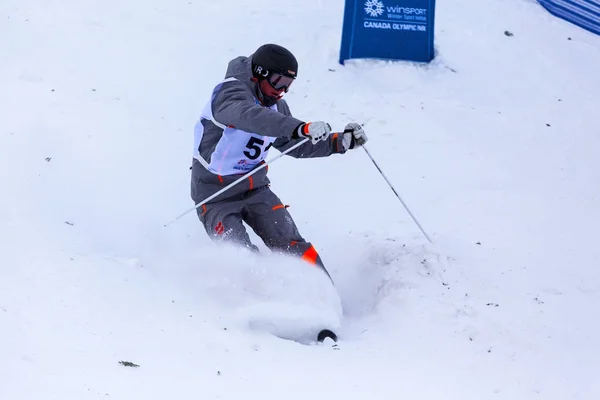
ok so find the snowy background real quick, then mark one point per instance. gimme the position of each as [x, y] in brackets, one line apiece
[495, 147]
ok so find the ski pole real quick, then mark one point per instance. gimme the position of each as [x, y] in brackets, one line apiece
[396, 193]
[238, 181]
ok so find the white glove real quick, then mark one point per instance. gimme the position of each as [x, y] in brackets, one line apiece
[354, 136]
[316, 131]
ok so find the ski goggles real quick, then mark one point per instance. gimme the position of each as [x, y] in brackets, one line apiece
[279, 81]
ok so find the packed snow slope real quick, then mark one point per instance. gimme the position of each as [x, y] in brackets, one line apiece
[494, 146]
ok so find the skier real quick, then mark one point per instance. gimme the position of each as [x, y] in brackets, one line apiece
[244, 117]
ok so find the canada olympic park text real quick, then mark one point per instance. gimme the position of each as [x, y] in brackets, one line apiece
[394, 26]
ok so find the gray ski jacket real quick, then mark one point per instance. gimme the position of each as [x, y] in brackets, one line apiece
[234, 104]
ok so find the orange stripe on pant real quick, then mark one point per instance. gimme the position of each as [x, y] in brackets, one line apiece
[310, 255]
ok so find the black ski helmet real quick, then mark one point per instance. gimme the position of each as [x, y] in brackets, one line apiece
[273, 58]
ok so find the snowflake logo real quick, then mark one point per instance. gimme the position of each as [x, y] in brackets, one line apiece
[374, 8]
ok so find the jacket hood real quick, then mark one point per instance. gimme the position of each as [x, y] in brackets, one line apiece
[240, 68]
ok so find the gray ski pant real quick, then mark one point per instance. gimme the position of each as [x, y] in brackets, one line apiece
[263, 211]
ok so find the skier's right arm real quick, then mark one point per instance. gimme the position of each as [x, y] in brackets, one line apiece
[234, 106]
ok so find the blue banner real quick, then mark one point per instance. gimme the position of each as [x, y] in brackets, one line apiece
[583, 13]
[388, 29]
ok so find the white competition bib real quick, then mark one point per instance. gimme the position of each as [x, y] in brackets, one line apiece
[238, 151]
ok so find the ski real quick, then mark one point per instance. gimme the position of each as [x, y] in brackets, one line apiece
[326, 333]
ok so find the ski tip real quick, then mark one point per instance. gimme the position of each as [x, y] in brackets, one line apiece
[326, 333]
